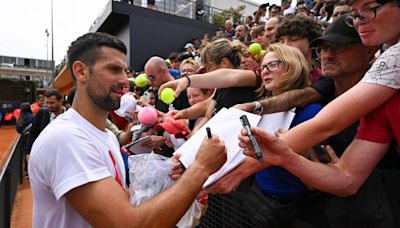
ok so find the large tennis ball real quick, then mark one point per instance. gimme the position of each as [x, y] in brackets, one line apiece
[141, 80]
[254, 48]
[167, 95]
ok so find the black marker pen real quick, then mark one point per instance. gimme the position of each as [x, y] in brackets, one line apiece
[208, 132]
[253, 141]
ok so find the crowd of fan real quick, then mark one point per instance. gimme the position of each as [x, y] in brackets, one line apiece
[302, 57]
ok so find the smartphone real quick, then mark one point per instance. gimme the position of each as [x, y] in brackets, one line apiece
[321, 153]
[136, 148]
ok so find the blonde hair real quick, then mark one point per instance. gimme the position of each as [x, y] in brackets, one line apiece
[194, 63]
[214, 52]
[296, 71]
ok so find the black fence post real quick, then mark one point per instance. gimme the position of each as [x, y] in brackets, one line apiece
[7, 199]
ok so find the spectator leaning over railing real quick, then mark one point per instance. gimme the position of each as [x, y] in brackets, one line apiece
[375, 25]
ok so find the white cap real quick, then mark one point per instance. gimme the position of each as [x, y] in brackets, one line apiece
[188, 45]
[128, 104]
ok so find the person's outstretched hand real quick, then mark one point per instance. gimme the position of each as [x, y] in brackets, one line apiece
[177, 85]
[176, 114]
[274, 150]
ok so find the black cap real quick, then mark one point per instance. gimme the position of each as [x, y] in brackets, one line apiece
[339, 32]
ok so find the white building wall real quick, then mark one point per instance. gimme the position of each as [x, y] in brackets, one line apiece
[249, 10]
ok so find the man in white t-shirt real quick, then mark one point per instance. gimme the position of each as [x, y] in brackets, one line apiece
[76, 169]
[288, 9]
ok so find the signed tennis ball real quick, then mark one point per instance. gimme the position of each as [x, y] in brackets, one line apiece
[141, 80]
[254, 48]
[167, 95]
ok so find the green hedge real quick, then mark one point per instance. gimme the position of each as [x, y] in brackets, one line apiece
[17, 90]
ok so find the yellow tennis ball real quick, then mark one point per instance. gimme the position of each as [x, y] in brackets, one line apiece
[262, 53]
[254, 48]
[141, 80]
[167, 95]
[131, 80]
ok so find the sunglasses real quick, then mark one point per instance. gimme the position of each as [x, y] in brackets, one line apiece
[152, 77]
[336, 48]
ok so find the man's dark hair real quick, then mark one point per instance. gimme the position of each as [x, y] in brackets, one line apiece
[40, 97]
[298, 26]
[86, 48]
[279, 8]
[184, 55]
[53, 92]
[173, 56]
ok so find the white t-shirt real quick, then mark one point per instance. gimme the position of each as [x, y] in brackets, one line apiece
[386, 69]
[289, 11]
[69, 152]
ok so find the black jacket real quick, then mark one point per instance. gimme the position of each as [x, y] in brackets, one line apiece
[40, 121]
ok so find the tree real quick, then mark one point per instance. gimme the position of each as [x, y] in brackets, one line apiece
[232, 13]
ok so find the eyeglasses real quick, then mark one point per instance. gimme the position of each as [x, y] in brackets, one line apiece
[365, 15]
[271, 66]
[187, 70]
[339, 13]
[336, 48]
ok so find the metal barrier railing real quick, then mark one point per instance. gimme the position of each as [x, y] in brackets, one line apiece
[226, 211]
[10, 178]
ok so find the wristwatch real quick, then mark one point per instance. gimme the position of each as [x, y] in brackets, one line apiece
[258, 108]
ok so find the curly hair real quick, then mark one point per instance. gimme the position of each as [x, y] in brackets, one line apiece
[300, 26]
